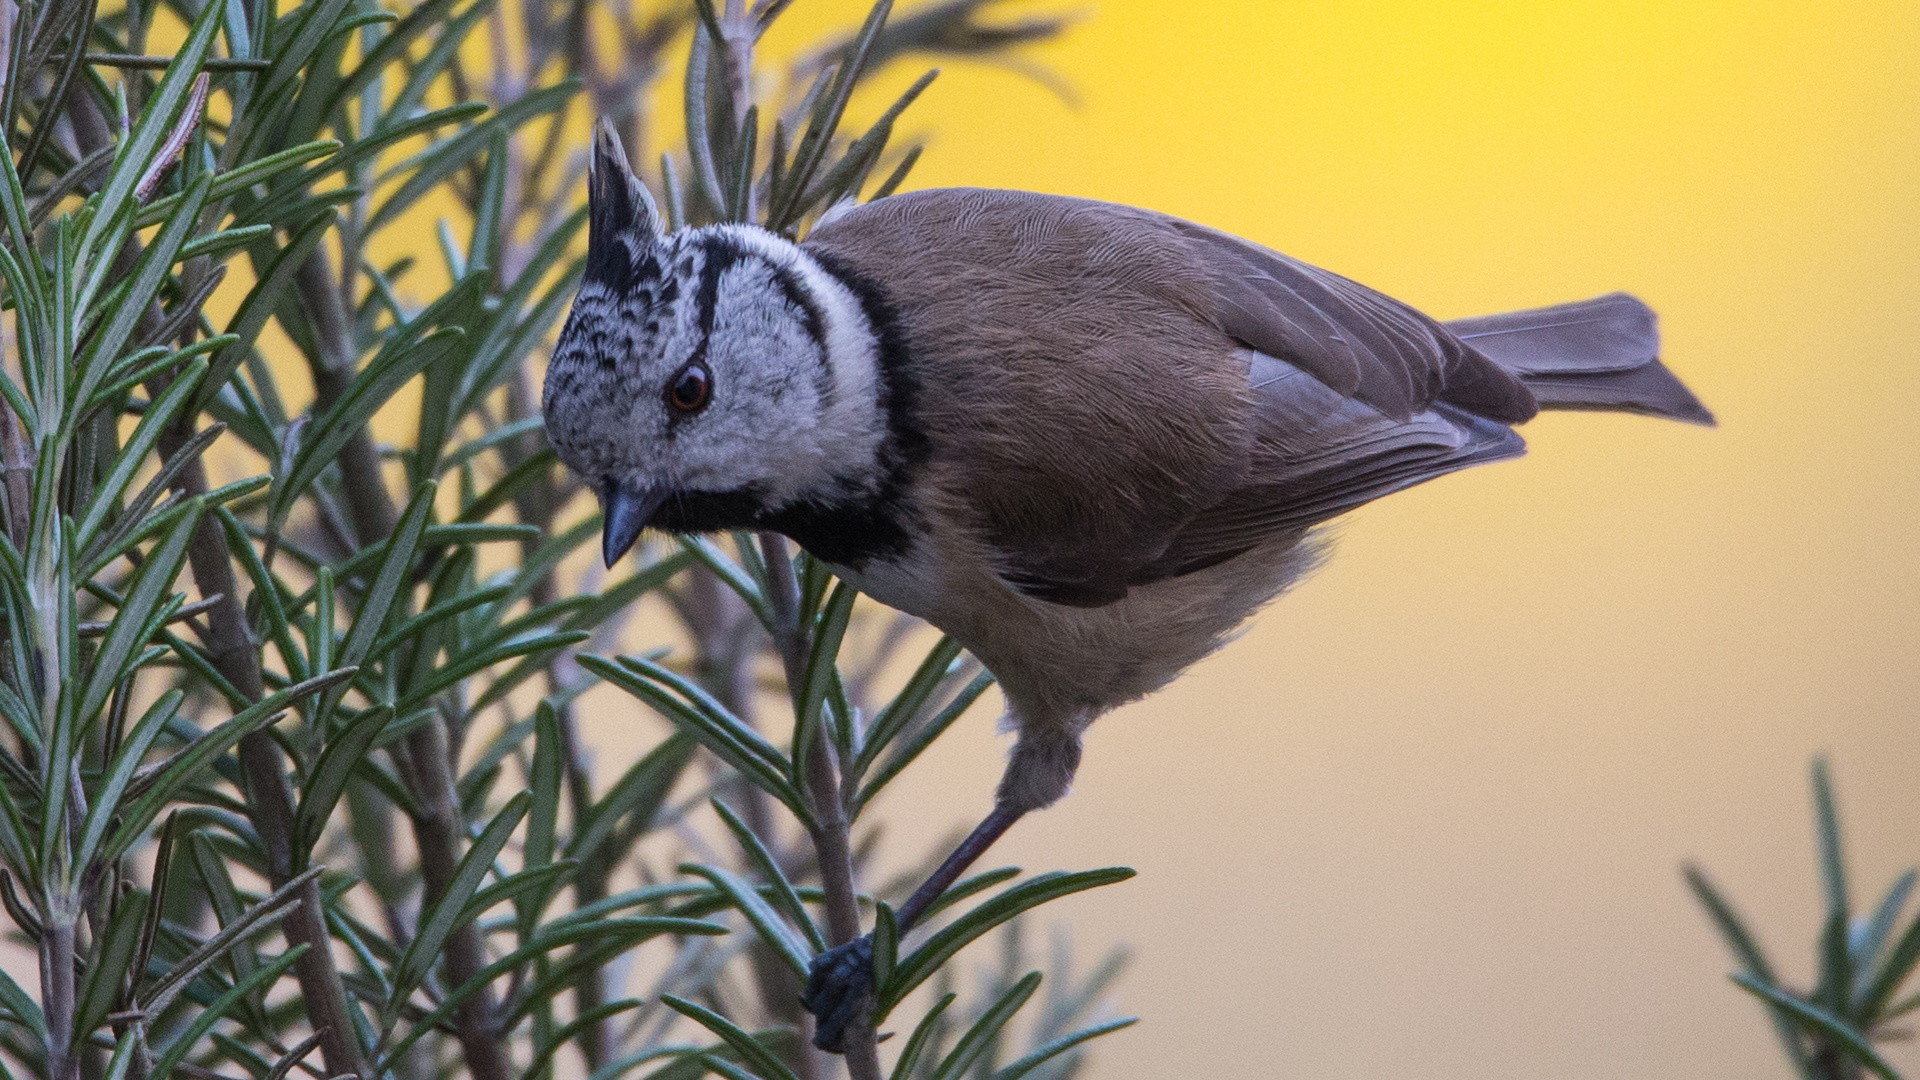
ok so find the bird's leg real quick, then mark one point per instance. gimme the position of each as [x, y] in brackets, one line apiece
[990, 829]
[840, 980]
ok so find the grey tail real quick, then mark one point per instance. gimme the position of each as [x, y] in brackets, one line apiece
[1599, 354]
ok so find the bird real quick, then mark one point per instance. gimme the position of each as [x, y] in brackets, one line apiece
[1088, 441]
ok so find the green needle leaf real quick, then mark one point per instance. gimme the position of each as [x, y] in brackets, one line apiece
[1048, 1051]
[987, 1029]
[921, 1041]
[940, 947]
[785, 898]
[1822, 1023]
[439, 922]
[766, 921]
[750, 1049]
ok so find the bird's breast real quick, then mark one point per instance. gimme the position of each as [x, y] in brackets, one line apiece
[908, 580]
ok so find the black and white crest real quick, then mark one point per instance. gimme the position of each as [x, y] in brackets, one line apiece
[623, 224]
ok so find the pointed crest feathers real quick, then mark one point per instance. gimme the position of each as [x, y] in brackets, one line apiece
[622, 218]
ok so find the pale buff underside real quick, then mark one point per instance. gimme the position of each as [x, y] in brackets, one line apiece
[1061, 667]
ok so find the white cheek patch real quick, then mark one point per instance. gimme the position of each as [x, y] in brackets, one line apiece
[848, 429]
[761, 429]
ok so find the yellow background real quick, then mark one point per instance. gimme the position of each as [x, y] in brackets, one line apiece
[1425, 819]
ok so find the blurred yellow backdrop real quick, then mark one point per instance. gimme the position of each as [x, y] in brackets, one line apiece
[1425, 818]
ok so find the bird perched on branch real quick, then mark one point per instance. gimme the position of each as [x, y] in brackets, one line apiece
[1086, 440]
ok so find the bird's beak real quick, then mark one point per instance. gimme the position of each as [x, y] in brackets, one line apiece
[626, 513]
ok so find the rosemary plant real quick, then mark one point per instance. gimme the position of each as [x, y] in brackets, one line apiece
[1829, 1032]
[291, 778]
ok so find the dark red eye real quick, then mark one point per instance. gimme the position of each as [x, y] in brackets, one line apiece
[690, 389]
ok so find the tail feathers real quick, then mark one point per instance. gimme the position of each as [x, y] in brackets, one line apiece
[1650, 389]
[1601, 354]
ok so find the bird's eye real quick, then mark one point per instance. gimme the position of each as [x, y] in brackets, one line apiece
[690, 388]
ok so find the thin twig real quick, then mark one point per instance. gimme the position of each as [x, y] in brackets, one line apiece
[269, 802]
[831, 839]
[232, 652]
[368, 503]
[57, 997]
[439, 832]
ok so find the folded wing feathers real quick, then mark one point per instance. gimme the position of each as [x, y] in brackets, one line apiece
[1318, 454]
[1359, 342]
[1358, 395]
[1324, 447]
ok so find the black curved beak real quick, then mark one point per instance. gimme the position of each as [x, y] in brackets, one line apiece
[626, 513]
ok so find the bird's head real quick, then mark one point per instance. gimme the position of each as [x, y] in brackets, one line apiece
[707, 379]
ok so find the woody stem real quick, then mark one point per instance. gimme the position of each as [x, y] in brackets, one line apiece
[832, 829]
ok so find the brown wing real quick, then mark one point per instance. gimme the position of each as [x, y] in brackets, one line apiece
[1356, 395]
[1094, 412]
[1318, 454]
[1361, 343]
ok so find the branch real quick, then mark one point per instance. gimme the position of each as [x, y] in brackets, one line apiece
[16, 472]
[831, 836]
[269, 801]
[440, 829]
[438, 832]
[235, 655]
[371, 508]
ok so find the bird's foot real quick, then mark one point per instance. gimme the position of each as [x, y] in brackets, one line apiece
[839, 991]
